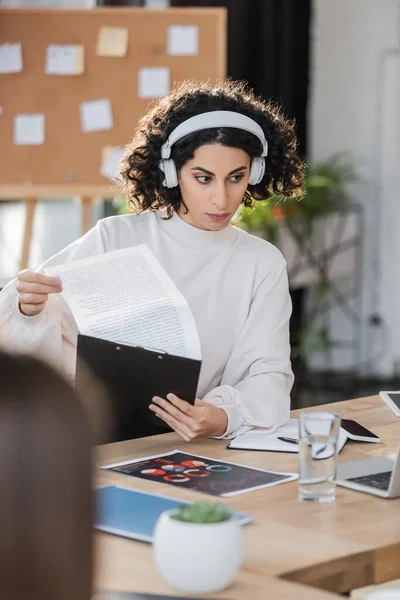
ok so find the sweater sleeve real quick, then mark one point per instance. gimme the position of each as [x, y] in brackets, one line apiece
[52, 334]
[257, 379]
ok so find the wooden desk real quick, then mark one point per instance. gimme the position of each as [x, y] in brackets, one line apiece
[125, 565]
[340, 546]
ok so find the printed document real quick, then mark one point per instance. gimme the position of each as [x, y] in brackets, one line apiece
[126, 296]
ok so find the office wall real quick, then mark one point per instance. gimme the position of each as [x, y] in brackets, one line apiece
[57, 224]
[355, 107]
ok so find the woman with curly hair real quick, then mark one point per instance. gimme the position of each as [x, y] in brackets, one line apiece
[196, 155]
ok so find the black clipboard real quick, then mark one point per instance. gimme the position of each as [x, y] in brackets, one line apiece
[132, 375]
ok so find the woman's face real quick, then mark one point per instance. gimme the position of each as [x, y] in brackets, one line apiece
[212, 185]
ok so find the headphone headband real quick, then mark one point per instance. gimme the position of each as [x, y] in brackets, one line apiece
[212, 120]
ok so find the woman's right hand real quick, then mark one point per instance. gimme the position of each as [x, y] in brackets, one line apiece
[33, 291]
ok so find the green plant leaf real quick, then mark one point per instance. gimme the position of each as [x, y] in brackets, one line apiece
[203, 512]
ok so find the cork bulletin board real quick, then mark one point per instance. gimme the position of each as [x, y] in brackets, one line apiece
[67, 160]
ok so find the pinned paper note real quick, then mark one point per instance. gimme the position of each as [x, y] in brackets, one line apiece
[110, 159]
[183, 40]
[153, 82]
[64, 60]
[29, 130]
[112, 41]
[96, 115]
[10, 58]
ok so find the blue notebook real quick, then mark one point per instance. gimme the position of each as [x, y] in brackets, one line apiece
[134, 514]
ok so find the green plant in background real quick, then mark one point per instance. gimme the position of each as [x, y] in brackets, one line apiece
[259, 219]
[325, 191]
[203, 512]
[312, 338]
[117, 206]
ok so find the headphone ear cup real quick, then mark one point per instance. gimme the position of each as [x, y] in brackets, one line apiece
[257, 170]
[167, 166]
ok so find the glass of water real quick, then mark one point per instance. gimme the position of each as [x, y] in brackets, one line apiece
[318, 440]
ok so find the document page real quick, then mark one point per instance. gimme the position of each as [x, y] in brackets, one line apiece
[126, 296]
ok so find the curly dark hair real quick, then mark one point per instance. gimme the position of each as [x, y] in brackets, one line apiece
[142, 178]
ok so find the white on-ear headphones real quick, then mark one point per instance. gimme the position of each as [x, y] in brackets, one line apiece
[212, 120]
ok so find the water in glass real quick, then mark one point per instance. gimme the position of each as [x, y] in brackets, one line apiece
[318, 456]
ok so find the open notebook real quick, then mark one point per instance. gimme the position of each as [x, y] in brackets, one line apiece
[262, 439]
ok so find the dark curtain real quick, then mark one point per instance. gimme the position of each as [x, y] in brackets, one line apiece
[268, 46]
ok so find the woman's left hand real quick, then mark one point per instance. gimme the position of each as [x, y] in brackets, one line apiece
[191, 422]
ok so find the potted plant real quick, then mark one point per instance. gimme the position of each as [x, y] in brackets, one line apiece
[324, 192]
[198, 548]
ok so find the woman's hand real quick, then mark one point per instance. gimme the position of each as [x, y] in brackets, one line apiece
[191, 422]
[33, 291]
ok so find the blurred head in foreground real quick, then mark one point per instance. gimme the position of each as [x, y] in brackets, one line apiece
[46, 485]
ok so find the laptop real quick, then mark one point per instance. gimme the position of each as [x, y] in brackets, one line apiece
[379, 476]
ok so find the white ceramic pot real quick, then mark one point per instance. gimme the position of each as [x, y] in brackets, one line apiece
[197, 557]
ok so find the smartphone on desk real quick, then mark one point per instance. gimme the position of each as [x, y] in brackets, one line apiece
[392, 399]
[358, 432]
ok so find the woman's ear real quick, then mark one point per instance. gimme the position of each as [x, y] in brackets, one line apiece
[185, 207]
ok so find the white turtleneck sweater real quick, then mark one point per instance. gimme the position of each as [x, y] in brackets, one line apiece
[236, 286]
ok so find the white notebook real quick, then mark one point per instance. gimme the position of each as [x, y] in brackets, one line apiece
[262, 439]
